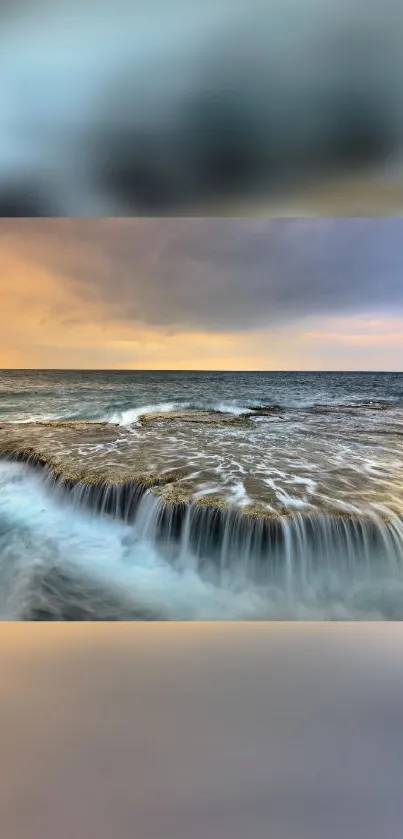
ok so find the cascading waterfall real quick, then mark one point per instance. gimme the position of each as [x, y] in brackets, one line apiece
[295, 553]
[290, 551]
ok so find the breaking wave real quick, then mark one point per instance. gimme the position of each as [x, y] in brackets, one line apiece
[131, 416]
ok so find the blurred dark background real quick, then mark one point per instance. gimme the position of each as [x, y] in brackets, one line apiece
[189, 107]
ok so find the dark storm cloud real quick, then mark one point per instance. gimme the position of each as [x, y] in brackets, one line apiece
[220, 273]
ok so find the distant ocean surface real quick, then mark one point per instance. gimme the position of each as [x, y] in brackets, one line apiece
[119, 396]
[302, 474]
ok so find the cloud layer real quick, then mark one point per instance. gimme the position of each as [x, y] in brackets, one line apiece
[193, 289]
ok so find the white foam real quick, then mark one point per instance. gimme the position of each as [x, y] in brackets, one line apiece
[132, 415]
[230, 408]
[43, 530]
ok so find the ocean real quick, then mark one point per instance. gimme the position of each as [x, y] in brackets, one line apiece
[201, 495]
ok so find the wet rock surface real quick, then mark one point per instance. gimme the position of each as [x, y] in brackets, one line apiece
[193, 417]
[265, 462]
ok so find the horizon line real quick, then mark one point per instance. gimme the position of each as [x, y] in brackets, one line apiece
[179, 370]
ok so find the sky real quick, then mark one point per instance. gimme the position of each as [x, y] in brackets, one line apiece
[225, 294]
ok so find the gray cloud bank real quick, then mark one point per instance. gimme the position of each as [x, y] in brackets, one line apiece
[220, 274]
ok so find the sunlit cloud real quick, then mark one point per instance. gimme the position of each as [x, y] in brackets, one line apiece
[202, 293]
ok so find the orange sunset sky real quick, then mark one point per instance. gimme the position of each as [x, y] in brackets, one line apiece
[202, 294]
